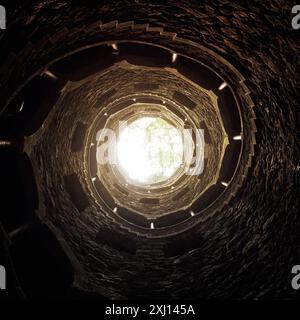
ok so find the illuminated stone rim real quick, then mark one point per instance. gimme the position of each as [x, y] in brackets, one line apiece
[144, 110]
[147, 111]
[109, 174]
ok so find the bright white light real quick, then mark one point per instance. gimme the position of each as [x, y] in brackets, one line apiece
[174, 57]
[149, 150]
[237, 138]
[22, 106]
[225, 184]
[50, 75]
[5, 143]
[222, 86]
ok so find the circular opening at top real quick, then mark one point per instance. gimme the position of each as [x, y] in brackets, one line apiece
[149, 150]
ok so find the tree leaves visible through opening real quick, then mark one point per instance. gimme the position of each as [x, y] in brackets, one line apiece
[150, 150]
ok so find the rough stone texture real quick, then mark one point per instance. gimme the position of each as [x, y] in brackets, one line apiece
[248, 250]
[79, 103]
